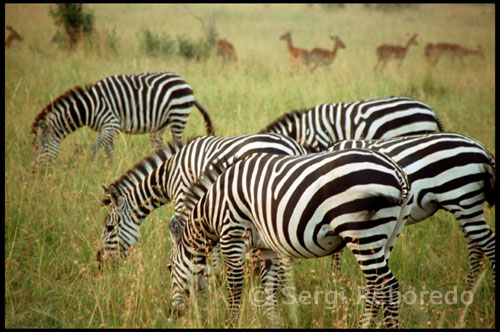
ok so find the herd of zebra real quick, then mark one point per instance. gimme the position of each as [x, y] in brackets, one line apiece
[311, 183]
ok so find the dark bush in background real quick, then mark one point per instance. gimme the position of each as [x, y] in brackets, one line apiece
[74, 20]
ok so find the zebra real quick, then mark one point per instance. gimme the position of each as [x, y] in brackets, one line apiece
[319, 127]
[447, 171]
[133, 104]
[296, 206]
[166, 175]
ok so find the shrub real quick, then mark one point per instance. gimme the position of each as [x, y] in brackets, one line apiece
[75, 21]
[193, 49]
[154, 45]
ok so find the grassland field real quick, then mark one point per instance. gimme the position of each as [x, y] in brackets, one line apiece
[53, 221]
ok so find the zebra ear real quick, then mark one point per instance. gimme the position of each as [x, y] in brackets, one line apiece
[176, 230]
[42, 124]
[112, 195]
[105, 200]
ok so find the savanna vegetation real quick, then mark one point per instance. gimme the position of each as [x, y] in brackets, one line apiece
[53, 221]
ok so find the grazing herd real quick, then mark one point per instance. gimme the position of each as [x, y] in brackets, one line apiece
[385, 53]
[311, 183]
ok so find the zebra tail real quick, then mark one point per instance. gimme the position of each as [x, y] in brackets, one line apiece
[489, 186]
[206, 118]
[439, 123]
[404, 183]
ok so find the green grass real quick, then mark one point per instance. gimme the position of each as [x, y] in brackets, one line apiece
[53, 222]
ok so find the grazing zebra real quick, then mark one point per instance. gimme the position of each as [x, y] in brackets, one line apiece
[166, 175]
[318, 128]
[295, 206]
[133, 104]
[447, 171]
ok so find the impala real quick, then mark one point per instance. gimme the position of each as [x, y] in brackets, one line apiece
[434, 52]
[225, 50]
[298, 56]
[322, 57]
[394, 52]
[13, 35]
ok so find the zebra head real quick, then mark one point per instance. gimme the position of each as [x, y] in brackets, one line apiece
[45, 146]
[120, 232]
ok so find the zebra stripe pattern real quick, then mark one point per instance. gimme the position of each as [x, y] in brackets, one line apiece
[294, 206]
[447, 171]
[166, 175]
[318, 128]
[133, 104]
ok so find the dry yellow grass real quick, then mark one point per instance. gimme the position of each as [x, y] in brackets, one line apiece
[53, 222]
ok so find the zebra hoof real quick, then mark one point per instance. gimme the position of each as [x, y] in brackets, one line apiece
[176, 311]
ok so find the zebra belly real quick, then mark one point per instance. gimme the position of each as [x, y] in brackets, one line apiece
[324, 243]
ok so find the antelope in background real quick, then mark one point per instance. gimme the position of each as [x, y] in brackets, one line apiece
[298, 56]
[394, 52]
[13, 35]
[225, 50]
[322, 57]
[433, 52]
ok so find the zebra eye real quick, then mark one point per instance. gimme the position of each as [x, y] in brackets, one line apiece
[110, 228]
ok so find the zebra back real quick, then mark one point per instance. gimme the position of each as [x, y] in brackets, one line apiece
[394, 146]
[219, 166]
[319, 127]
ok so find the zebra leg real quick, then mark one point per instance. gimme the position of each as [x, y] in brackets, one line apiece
[177, 125]
[336, 262]
[233, 247]
[254, 262]
[110, 151]
[284, 272]
[475, 262]
[269, 269]
[216, 259]
[155, 139]
[478, 247]
[480, 239]
[372, 306]
[383, 290]
[105, 139]
[382, 287]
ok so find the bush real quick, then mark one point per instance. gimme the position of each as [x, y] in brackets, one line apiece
[193, 49]
[75, 21]
[153, 44]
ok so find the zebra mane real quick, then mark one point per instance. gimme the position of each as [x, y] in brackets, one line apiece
[283, 119]
[75, 91]
[201, 186]
[154, 161]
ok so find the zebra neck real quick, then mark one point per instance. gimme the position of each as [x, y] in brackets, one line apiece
[196, 238]
[141, 204]
[72, 111]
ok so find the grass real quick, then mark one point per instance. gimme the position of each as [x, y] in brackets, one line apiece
[53, 222]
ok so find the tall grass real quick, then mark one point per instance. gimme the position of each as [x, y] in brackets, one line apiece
[53, 221]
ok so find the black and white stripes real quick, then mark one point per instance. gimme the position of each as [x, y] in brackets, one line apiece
[447, 171]
[167, 174]
[305, 207]
[321, 126]
[133, 104]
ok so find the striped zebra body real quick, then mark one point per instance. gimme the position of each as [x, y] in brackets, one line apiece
[447, 171]
[318, 128]
[303, 207]
[133, 104]
[167, 175]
